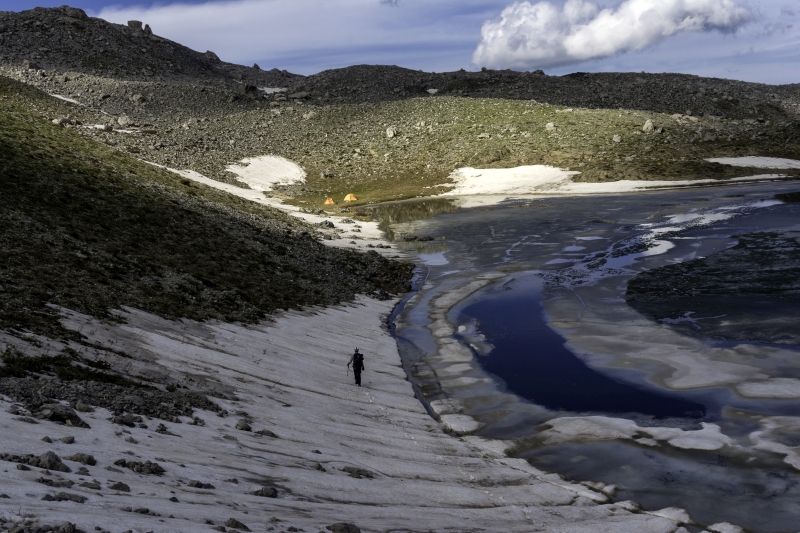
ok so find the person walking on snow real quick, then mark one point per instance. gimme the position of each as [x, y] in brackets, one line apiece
[357, 360]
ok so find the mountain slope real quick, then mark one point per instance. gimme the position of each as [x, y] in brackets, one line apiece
[90, 228]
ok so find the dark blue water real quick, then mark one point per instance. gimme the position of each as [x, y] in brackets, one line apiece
[532, 361]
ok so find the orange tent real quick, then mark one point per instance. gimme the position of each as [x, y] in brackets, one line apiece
[350, 198]
[329, 201]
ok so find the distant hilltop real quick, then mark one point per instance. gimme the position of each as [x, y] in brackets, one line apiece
[65, 39]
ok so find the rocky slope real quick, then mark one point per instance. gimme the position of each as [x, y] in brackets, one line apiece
[386, 132]
[89, 228]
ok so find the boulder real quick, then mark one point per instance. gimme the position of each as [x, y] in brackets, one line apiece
[648, 126]
[55, 412]
[135, 25]
[147, 29]
[124, 122]
[30, 65]
[550, 126]
[616, 139]
[75, 13]
[242, 425]
[358, 473]
[391, 131]
[299, 96]
[267, 492]
[51, 461]
[232, 522]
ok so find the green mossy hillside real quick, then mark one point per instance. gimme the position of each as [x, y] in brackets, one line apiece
[89, 228]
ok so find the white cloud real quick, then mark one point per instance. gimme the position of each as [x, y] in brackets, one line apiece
[306, 36]
[543, 35]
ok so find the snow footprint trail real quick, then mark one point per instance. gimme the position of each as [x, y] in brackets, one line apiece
[289, 377]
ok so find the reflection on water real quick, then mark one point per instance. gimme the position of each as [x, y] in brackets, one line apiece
[532, 361]
[390, 214]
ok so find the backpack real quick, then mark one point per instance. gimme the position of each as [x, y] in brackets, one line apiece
[358, 360]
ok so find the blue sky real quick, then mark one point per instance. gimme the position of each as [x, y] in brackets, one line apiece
[740, 39]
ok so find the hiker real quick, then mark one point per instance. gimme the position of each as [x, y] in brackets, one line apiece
[357, 360]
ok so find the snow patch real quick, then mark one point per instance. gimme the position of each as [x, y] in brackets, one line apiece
[264, 172]
[65, 99]
[757, 162]
[548, 180]
[785, 388]
[600, 428]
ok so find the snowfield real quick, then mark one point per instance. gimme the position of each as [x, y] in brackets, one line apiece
[404, 473]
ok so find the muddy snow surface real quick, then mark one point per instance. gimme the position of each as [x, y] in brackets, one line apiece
[646, 341]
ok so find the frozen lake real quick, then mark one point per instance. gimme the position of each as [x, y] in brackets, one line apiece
[682, 387]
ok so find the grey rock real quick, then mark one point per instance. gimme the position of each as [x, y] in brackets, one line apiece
[135, 25]
[242, 425]
[124, 121]
[147, 29]
[141, 468]
[616, 139]
[267, 492]
[30, 65]
[23, 467]
[75, 13]
[648, 126]
[391, 131]
[138, 99]
[57, 483]
[51, 461]
[319, 467]
[47, 439]
[358, 473]
[343, 527]
[83, 458]
[67, 440]
[232, 522]
[267, 433]
[91, 485]
[550, 126]
[55, 412]
[120, 486]
[299, 96]
[65, 497]
[80, 406]
[200, 485]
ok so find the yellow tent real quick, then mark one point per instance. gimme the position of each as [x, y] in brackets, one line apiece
[350, 198]
[329, 201]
